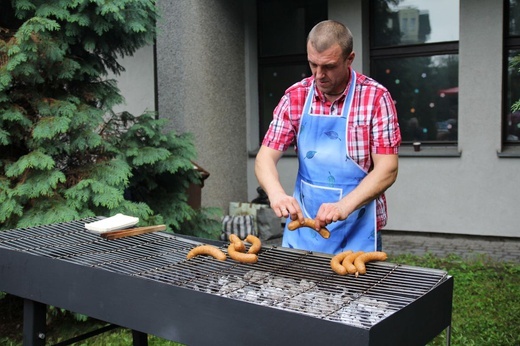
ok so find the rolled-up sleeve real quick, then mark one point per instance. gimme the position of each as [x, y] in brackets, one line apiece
[386, 135]
[281, 132]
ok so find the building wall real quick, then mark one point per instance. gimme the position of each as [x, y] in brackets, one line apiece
[207, 85]
[201, 89]
[137, 82]
[476, 192]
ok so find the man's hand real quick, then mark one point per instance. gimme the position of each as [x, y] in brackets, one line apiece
[285, 205]
[329, 213]
[267, 175]
[380, 178]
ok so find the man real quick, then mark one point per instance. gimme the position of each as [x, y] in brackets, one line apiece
[344, 126]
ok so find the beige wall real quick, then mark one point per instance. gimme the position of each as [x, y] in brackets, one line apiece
[201, 84]
[137, 82]
[476, 193]
[207, 86]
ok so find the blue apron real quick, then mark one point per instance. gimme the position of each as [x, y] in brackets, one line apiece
[326, 174]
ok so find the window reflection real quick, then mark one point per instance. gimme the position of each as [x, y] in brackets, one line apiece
[282, 57]
[513, 95]
[514, 18]
[275, 80]
[283, 25]
[512, 75]
[422, 81]
[425, 90]
[406, 22]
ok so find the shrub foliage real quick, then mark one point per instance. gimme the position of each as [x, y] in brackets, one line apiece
[64, 153]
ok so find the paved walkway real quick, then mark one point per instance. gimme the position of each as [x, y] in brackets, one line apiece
[441, 245]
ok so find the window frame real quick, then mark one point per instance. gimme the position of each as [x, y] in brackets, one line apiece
[273, 60]
[412, 51]
[511, 42]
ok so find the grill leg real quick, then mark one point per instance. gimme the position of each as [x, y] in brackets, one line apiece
[140, 339]
[33, 323]
[448, 335]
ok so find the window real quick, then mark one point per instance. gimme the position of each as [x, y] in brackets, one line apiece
[512, 80]
[282, 58]
[414, 53]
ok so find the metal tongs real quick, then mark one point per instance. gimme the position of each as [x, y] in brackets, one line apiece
[132, 231]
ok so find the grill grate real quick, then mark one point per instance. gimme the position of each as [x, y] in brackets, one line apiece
[293, 280]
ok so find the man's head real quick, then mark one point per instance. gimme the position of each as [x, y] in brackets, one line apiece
[329, 32]
[330, 54]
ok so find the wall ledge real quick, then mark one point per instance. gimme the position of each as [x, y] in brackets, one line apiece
[509, 151]
[430, 151]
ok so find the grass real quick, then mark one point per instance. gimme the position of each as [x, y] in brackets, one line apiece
[485, 308]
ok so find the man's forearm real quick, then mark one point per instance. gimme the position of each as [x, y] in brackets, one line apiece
[266, 171]
[373, 185]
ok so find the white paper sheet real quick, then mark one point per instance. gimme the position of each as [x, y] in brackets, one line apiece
[113, 223]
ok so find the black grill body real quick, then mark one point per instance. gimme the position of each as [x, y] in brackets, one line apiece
[146, 284]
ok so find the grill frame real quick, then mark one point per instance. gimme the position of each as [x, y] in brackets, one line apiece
[193, 317]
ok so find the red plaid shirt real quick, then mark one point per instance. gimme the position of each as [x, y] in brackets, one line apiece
[373, 126]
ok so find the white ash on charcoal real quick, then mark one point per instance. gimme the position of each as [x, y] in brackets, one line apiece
[303, 296]
[364, 312]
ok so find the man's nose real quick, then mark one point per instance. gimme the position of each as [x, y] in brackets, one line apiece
[320, 72]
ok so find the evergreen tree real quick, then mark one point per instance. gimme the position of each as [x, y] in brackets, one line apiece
[65, 155]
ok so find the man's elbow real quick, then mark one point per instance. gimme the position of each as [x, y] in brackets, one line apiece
[390, 174]
[258, 160]
[393, 176]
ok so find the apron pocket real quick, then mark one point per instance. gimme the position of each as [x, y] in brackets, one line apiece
[313, 196]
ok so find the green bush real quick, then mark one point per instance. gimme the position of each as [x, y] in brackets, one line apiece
[64, 153]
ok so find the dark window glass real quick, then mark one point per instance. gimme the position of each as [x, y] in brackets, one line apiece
[514, 18]
[275, 80]
[425, 93]
[512, 74]
[414, 53]
[282, 28]
[408, 22]
[512, 123]
[282, 58]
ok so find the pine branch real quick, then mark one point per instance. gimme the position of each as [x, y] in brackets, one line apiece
[64, 153]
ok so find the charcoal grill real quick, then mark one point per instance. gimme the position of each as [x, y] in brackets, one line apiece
[289, 296]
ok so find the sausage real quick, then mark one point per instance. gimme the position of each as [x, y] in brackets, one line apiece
[255, 242]
[348, 261]
[335, 262]
[360, 261]
[207, 250]
[239, 245]
[291, 226]
[240, 256]
[234, 238]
